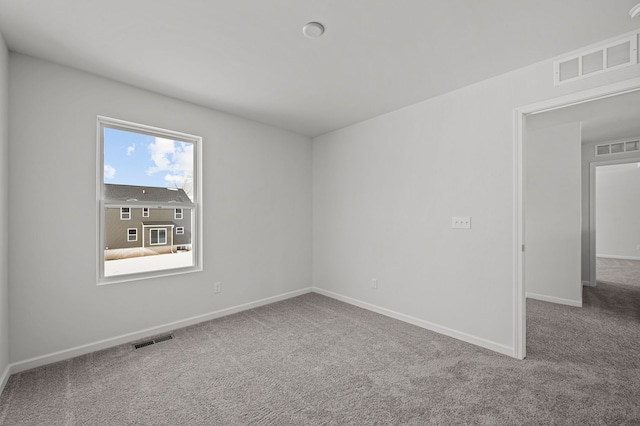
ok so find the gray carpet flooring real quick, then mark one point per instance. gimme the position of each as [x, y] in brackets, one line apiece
[618, 271]
[312, 360]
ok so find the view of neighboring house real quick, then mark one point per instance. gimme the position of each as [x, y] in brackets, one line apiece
[162, 230]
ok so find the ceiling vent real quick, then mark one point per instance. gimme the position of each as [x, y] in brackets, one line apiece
[618, 54]
[617, 147]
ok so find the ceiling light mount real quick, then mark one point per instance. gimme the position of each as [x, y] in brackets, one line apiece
[635, 11]
[313, 29]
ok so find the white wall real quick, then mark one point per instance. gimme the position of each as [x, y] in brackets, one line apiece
[385, 191]
[4, 211]
[257, 212]
[618, 211]
[553, 209]
[588, 157]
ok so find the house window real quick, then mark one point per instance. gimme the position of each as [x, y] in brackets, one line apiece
[132, 234]
[158, 172]
[157, 236]
[180, 230]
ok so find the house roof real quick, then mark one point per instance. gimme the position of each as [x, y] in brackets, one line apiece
[114, 192]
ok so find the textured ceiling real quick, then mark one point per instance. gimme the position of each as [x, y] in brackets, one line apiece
[249, 57]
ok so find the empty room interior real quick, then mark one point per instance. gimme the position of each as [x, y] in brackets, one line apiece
[319, 213]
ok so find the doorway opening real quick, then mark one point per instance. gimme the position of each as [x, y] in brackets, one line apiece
[615, 222]
[588, 110]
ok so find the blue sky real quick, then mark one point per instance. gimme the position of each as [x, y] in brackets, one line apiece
[137, 159]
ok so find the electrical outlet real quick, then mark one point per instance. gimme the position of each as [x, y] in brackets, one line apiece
[638, 247]
[216, 287]
[374, 284]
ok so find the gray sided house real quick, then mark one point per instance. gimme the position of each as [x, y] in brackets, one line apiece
[163, 230]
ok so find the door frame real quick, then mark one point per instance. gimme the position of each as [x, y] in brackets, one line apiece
[519, 209]
[592, 208]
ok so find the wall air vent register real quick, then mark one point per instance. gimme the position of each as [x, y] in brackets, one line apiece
[617, 147]
[608, 57]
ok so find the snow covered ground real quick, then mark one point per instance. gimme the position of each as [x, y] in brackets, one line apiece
[148, 263]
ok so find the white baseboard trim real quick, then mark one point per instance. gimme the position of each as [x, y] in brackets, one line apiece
[4, 378]
[559, 300]
[38, 361]
[588, 284]
[615, 256]
[497, 347]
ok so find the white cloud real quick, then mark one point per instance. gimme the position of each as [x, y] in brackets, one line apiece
[176, 160]
[175, 180]
[109, 171]
[130, 149]
[161, 150]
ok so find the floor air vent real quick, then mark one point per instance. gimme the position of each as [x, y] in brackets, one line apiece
[151, 342]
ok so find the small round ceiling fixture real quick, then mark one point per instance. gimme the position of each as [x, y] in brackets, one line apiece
[313, 29]
[635, 11]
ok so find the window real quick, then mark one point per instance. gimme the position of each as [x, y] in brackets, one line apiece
[157, 236]
[150, 177]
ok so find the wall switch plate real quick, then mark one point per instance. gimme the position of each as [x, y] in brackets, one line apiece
[216, 287]
[374, 284]
[461, 222]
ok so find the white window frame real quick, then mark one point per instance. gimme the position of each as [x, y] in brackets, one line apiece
[194, 208]
[158, 230]
[145, 212]
[135, 235]
[178, 215]
[180, 230]
[123, 215]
